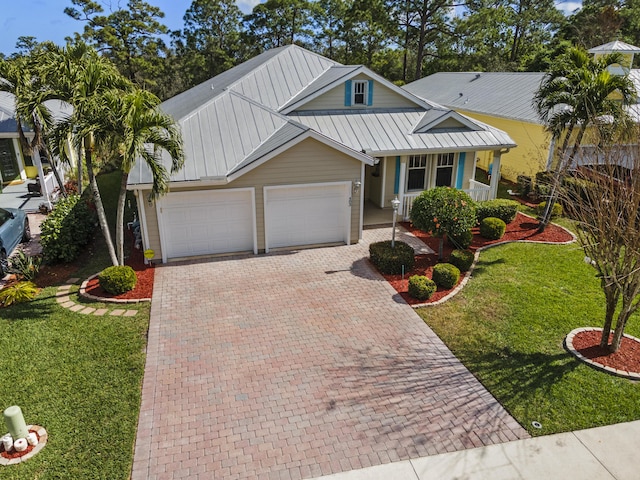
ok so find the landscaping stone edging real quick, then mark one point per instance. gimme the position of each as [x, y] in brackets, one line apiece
[42, 441]
[64, 299]
[568, 344]
[476, 256]
[83, 293]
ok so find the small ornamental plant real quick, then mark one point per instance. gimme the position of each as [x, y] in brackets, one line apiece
[463, 259]
[392, 260]
[446, 275]
[501, 208]
[18, 292]
[492, 228]
[556, 210]
[443, 211]
[118, 280]
[421, 287]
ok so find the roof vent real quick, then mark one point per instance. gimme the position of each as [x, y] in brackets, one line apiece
[476, 77]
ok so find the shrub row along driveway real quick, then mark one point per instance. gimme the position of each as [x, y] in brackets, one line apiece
[296, 365]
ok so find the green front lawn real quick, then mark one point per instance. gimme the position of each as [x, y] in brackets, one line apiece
[78, 376]
[508, 325]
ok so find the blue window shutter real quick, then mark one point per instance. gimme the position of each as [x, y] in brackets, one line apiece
[370, 99]
[396, 184]
[347, 93]
[460, 176]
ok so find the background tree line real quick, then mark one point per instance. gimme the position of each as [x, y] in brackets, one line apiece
[403, 40]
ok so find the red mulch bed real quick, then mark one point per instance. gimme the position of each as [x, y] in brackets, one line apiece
[144, 286]
[13, 453]
[522, 228]
[626, 358]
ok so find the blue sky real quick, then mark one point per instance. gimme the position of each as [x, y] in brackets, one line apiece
[46, 20]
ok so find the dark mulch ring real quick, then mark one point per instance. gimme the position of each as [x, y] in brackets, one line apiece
[522, 228]
[627, 358]
[144, 285]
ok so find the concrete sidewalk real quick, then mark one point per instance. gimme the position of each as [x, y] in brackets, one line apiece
[604, 453]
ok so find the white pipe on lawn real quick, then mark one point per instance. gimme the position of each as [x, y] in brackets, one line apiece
[20, 444]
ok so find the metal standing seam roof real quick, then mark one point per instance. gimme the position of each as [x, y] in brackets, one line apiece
[615, 46]
[231, 120]
[381, 132]
[502, 94]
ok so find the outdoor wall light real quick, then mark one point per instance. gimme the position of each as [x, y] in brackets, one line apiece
[356, 186]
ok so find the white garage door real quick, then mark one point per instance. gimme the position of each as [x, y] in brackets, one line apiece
[307, 215]
[205, 223]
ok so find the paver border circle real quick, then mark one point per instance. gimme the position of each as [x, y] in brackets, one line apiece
[568, 344]
[42, 441]
[83, 293]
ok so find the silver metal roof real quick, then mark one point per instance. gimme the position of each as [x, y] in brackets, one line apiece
[616, 46]
[223, 136]
[387, 132]
[231, 121]
[501, 94]
[8, 124]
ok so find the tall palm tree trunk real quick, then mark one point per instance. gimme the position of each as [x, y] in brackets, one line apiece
[120, 217]
[102, 218]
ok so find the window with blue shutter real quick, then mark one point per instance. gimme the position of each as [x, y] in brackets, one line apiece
[370, 93]
[347, 93]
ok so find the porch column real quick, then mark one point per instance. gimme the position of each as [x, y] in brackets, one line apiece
[495, 175]
[402, 175]
[22, 166]
[43, 184]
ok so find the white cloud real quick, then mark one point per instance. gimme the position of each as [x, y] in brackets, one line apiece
[568, 7]
[247, 5]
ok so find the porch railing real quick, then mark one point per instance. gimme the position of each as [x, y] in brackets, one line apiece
[478, 192]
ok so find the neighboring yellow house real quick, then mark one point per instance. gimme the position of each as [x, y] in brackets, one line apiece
[505, 100]
[502, 100]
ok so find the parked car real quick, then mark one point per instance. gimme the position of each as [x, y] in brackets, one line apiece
[14, 228]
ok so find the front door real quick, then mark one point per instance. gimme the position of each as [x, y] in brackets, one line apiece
[8, 163]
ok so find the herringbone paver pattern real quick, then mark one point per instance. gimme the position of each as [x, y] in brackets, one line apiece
[296, 365]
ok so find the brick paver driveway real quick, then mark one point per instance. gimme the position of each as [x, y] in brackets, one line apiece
[297, 365]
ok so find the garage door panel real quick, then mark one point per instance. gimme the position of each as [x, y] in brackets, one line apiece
[204, 223]
[307, 215]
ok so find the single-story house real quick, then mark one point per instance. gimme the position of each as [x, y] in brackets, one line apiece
[505, 100]
[289, 148]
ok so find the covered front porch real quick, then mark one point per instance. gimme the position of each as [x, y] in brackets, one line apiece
[406, 177]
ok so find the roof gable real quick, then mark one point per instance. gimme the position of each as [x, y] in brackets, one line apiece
[440, 120]
[335, 77]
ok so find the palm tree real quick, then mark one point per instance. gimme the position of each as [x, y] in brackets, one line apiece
[80, 76]
[579, 92]
[139, 130]
[20, 77]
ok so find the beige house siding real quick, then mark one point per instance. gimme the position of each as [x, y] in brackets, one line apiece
[383, 97]
[390, 180]
[308, 162]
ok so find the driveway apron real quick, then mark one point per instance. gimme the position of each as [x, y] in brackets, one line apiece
[296, 365]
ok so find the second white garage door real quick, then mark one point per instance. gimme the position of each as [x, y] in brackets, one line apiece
[207, 222]
[307, 214]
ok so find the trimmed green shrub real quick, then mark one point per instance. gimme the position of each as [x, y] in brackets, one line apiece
[118, 279]
[543, 183]
[24, 265]
[556, 210]
[492, 228]
[443, 211]
[463, 259]
[461, 241]
[501, 208]
[446, 275]
[66, 230]
[390, 260]
[524, 184]
[18, 293]
[421, 287]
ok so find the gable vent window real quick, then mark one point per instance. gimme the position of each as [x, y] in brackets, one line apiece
[360, 88]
